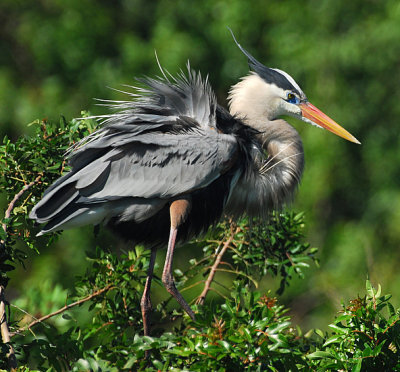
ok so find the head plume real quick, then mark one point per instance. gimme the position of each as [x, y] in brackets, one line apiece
[271, 75]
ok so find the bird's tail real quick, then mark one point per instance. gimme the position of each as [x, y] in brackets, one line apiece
[63, 207]
[57, 205]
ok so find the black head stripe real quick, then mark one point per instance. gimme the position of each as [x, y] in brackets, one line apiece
[268, 74]
[274, 77]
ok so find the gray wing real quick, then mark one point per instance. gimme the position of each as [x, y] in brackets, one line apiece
[158, 147]
[162, 166]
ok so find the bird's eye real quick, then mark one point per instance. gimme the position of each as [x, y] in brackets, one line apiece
[291, 98]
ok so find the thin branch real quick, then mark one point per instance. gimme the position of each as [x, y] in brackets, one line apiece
[221, 285]
[227, 264]
[363, 333]
[4, 327]
[191, 286]
[5, 332]
[238, 252]
[238, 273]
[211, 289]
[387, 328]
[14, 201]
[201, 261]
[290, 258]
[63, 309]
[202, 297]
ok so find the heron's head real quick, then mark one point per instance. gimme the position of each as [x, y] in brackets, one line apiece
[271, 93]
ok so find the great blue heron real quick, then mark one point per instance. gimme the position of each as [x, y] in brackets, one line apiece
[172, 159]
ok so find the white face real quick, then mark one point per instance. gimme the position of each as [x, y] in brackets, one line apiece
[289, 104]
[290, 99]
[253, 98]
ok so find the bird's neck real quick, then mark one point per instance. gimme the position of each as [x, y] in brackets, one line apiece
[279, 167]
[253, 101]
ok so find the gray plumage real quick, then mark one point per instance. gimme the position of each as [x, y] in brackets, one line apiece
[145, 155]
[172, 159]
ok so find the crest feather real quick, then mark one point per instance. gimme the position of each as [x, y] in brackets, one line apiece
[272, 76]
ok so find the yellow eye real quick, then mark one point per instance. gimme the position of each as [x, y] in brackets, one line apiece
[290, 97]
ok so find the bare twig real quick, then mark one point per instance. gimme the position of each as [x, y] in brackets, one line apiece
[202, 297]
[191, 286]
[63, 309]
[290, 259]
[211, 289]
[5, 332]
[14, 201]
[238, 273]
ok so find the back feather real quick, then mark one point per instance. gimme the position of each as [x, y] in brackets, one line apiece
[166, 124]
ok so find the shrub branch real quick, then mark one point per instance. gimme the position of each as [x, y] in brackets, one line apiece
[5, 332]
[11, 206]
[63, 309]
[202, 297]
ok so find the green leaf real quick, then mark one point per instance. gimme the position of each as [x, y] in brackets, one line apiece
[319, 333]
[130, 362]
[225, 344]
[357, 367]
[319, 355]
[338, 329]
[332, 340]
[370, 289]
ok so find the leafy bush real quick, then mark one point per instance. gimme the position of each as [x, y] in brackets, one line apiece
[99, 325]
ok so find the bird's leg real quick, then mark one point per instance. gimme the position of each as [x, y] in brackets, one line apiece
[145, 302]
[178, 212]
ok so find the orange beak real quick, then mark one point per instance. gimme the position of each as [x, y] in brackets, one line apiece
[313, 114]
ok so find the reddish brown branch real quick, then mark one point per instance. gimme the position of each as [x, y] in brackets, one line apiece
[290, 259]
[202, 297]
[15, 199]
[383, 333]
[363, 333]
[63, 309]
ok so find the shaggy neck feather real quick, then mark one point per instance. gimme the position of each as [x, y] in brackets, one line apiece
[278, 170]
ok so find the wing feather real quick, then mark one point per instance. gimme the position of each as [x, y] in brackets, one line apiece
[160, 145]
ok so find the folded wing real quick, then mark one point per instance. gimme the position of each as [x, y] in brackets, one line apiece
[157, 147]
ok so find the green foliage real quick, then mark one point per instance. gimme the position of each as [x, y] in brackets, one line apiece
[58, 55]
[247, 332]
[32, 164]
[365, 337]
[99, 326]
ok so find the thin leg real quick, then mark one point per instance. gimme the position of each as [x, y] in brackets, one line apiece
[178, 211]
[145, 302]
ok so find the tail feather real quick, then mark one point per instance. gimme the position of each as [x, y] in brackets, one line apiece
[53, 203]
[160, 108]
[66, 191]
[56, 197]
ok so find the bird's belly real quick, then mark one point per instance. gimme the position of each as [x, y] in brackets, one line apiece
[206, 207]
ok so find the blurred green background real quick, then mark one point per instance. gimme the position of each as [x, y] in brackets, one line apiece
[56, 56]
